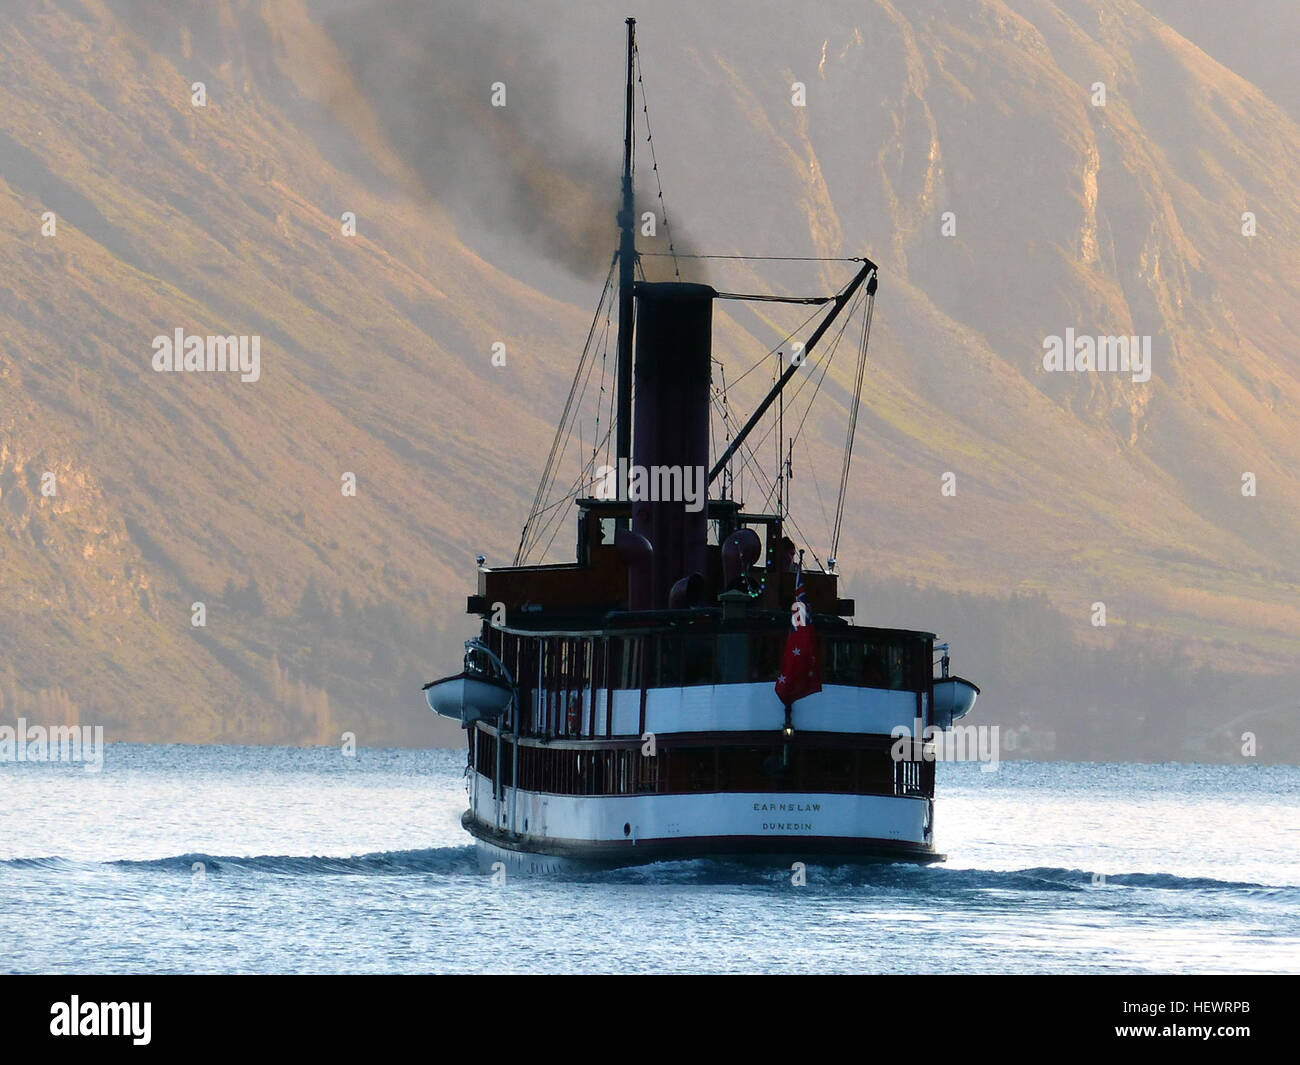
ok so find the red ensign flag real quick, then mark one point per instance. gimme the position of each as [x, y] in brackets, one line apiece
[801, 673]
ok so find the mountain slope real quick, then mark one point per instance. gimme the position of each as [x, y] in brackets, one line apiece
[325, 612]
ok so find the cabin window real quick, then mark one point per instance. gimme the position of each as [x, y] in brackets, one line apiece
[841, 661]
[627, 653]
[895, 655]
[669, 670]
[896, 665]
[564, 670]
[874, 671]
[582, 667]
[765, 662]
[507, 765]
[599, 663]
[748, 769]
[760, 768]
[485, 755]
[732, 666]
[647, 773]
[827, 769]
[526, 677]
[691, 769]
[876, 772]
[697, 659]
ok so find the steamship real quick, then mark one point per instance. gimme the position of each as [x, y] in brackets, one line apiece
[687, 687]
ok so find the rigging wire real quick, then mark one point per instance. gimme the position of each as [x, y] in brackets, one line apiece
[728, 487]
[591, 367]
[750, 460]
[548, 471]
[766, 258]
[604, 358]
[557, 517]
[556, 508]
[826, 366]
[853, 423]
[861, 369]
[654, 163]
[797, 329]
[586, 471]
[812, 470]
[613, 413]
[833, 347]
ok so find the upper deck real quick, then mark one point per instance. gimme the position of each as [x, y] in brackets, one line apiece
[698, 671]
[597, 582]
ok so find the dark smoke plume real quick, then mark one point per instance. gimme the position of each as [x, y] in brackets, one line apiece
[426, 71]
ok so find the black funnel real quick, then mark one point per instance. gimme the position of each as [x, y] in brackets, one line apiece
[670, 428]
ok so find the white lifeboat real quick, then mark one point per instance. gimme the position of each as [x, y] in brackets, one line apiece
[954, 698]
[482, 690]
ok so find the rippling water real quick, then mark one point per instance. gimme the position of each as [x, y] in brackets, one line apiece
[227, 859]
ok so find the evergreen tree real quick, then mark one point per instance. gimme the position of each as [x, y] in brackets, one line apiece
[252, 598]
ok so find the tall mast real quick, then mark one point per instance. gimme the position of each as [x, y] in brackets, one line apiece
[626, 264]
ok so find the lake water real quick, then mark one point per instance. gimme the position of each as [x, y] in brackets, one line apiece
[246, 859]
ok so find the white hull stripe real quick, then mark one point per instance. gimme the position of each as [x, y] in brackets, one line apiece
[743, 708]
[618, 818]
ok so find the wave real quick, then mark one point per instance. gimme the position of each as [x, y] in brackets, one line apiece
[1049, 878]
[938, 880]
[447, 860]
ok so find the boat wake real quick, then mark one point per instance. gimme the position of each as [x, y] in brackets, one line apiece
[443, 860]
[938, 880]
[900, 878]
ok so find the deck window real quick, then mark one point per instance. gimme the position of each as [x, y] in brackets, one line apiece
[697, 659]
[765, 659]
[668, 672]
